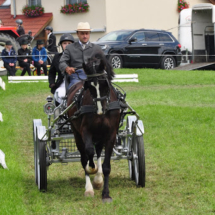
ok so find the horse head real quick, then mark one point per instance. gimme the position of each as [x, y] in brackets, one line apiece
[99, 74]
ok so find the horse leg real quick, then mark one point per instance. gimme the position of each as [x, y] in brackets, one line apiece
[90, 168]
[106, 171]
[98, 179]
[81, 147]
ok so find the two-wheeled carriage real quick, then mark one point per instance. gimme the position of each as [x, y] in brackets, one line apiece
[56, 143]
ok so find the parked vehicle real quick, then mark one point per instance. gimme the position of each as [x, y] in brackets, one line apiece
[141, 48]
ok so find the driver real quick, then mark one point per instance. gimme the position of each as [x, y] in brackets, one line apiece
[78, 53]
[58, 86]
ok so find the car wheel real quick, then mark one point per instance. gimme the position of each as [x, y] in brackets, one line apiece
[168, 62]
[116, 61]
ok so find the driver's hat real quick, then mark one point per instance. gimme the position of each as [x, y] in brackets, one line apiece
[83, 26]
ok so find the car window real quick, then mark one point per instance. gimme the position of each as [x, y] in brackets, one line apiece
[152, 36]
[140, 36]
[116, 36]
[165, 37]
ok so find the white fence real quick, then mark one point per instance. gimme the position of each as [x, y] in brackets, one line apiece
[21, 79]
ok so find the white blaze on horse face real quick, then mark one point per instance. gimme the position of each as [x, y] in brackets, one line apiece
[99, 103]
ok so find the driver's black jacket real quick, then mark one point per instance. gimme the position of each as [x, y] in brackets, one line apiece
[54, 70]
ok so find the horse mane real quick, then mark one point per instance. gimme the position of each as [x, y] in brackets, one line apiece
[101, 61]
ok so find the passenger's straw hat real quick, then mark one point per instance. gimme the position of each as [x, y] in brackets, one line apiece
[83, 26]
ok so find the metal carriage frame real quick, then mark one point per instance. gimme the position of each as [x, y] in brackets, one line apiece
[56, 143]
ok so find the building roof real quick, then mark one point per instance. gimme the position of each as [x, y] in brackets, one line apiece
[2, 1]
[35, 24]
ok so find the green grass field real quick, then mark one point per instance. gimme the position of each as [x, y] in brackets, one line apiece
[178, 112]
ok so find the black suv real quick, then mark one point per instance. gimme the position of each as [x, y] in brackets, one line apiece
[141, 48]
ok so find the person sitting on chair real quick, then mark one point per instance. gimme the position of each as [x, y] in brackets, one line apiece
[58, 86]
[39, 56]
[78, 53]
[9, 58]
[24, 58]
[20, 30]
[51, 39]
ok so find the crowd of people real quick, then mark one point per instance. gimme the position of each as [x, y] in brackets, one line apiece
[38, 57]
[25, 58]
[69, 61]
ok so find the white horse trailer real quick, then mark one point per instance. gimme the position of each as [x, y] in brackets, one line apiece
[203, 21]
[196, 35]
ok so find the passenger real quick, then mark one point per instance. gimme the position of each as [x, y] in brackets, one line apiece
[78, 53]
[9, 58]
[58, 86]
[24, 58]
[20, 30]
[51, 39]
[39, 56]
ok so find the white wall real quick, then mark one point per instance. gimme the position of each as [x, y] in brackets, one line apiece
[126, 14]
[115, 15]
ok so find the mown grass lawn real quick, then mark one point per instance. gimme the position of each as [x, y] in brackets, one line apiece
[178, 112]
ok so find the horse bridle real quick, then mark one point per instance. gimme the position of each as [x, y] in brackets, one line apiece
[98, 77]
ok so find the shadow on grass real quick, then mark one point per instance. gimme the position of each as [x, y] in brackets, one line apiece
[75, 186]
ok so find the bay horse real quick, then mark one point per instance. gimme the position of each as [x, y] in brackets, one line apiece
[96, 123]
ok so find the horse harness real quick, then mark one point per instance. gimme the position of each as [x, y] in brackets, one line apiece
[120, 104]
[114, 105]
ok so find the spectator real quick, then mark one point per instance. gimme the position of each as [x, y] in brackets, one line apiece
[9, 58]
[51, 40]
[39, 56]
[20, 30]
[24, 58]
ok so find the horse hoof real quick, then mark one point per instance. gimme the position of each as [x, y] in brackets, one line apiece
[97, 186]
[89, 193]
[91, 170]
[107, 200]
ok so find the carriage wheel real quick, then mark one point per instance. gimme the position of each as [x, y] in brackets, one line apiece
[36, 122]
[41, 166]
[130, 160]
[130, 121]
[138, 159]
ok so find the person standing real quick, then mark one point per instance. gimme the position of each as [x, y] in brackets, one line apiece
[78, 53]
[9, 58]
[58, 86]
[20, 30]
[24, 58]
[39, 56]
[51, 39]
